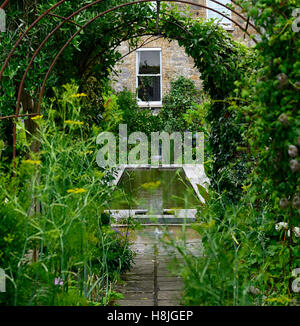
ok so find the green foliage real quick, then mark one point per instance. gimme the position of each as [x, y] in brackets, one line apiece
[91, 56]
[273, 112]
[136, 118]
[241, 262]
[183, 96]
[180, 111]
[195, 117]
[273, 125]
[221, 61]
[247, 258]
[53, 224]
[112, 115]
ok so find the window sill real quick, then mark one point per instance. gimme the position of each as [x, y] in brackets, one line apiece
[150, 105]
[228, 28]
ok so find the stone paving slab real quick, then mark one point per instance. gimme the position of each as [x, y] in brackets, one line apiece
[144, 258]
[168, 303]
[169, 278]
[142, 271]
[136, 277]
[138, 296]
[150, 281]
[134, 286]
[163, 272]
[133, 303]
[170, 286]
[169, 295]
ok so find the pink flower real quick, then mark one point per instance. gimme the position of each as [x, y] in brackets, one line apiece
[58, 281]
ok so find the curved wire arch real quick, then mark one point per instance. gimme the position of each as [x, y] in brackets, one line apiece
[46, 12]
[99, 16]
[67, 19]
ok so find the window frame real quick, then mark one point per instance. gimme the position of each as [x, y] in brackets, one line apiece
[150, 103]
[220, 22]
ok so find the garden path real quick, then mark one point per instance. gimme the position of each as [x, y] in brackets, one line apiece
[150, 282]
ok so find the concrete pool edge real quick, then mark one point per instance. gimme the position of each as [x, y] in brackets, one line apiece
[195, 173]
[181, 216]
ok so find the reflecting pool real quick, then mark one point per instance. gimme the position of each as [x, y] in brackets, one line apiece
[154, 190]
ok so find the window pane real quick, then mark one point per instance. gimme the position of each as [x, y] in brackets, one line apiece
[212, 14]
[149, 62]
[149, 88]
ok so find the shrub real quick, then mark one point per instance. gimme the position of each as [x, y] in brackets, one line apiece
[183, 96]
[136, 118]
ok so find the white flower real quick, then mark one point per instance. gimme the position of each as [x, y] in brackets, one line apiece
[284, 225]
[281, 225]
[293, 151]
[297, 232]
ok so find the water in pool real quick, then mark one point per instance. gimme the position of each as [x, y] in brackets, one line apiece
[154, 190]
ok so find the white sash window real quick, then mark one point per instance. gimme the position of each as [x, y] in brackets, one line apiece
[149, 76]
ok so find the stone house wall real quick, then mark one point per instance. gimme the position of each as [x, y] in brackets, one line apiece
[175, 62]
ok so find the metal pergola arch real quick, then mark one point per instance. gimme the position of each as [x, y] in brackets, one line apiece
[67, 19]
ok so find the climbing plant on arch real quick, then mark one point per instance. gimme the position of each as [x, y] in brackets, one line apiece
[254, 99]
[90, 50]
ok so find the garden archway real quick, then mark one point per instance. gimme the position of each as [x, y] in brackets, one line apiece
[67, 19]
[264, 102]
[199, 42]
